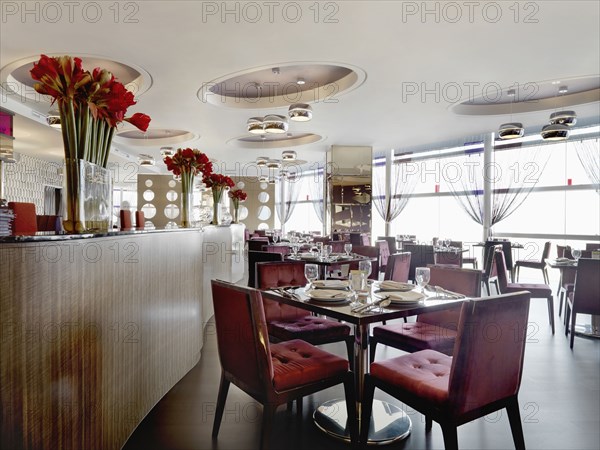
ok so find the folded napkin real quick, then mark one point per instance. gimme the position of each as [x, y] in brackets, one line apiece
[331, 284]
[327, 294]
[396, 285]
[407, 297]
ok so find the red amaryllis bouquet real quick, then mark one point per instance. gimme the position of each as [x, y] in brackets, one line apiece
[91, 105]
[189, 160]
[218, 183]
[238, 195]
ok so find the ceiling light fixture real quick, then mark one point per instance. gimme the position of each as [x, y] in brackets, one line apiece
[558, 128]
[276, 124]
[53, 118]
[166, 151]
[255, 125]
[511, 130]
[146, 160]
[288, 155]
[261, 161]
[300, 112]
[300, 81]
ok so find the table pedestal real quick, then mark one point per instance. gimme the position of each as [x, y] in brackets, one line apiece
[388, 422]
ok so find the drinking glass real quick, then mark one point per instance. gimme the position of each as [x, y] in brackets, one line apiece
[447, 242]
[365, 267]
[295, 250]
[576, 253]
[422, 276]
[311, 272]
[358, 283]
[348, 249]
[275, 237]
[327, 250]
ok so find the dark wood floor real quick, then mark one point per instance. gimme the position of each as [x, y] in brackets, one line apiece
[559, 399]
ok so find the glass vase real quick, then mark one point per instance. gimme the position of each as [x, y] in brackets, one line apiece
[235, 212]
[187, 193]
[87, 197]
[217, 195]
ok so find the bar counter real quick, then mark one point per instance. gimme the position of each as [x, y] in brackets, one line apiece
[95, 329]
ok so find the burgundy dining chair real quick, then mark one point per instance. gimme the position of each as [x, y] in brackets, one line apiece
[452, 257]
[433, 330]
[537, 290]
[370, 252]
[256, 257]
[256, 244]
[398, 267]
[585, 298]
[272, 374]
[591, 246]
[466, 257]
[125, 216]
[286, 322]
[283, 249]
[490, 271]
[482, 377]
[140, 220]
[391, 240]
[25, 220]
[421, 256]
[539, 264]
[384, 254]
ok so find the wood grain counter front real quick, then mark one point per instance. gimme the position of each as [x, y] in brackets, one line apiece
[93, 332]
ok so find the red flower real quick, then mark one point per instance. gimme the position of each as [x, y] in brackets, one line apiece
[60, 77]
[188, 160]
[238, 195]
[218, 181]
[139, 120]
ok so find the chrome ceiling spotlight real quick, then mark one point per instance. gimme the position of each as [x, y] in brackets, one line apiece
[568, 118]
[146, 160]
[511, 130]
[274, 123]
[53, 118]
[166, 152]
[261, 161]
[300, 112]
[288, 155]
[271, 180]
[555, 132]
[255, 125]
[263, 179]
[273, 164]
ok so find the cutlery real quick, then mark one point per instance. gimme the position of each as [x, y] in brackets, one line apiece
[382, 302]
[449, 294]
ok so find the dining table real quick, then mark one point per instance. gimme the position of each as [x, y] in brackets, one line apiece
[389, 422]
[564, 264]
[324, 263]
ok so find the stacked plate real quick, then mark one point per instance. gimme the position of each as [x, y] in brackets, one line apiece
[331, 284]
[328, 295]
[402, 298]
[389, 285]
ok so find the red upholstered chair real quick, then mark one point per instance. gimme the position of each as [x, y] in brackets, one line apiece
[591, 246]
[391, 240]
[449, 258]
[466, 257]
[539, 264]
[255, 257]
[384, 254]
[337, 246]
[272, 374]
[126, 222]
[25, 221]
[537, 290]
[567, 278]
[323, 239]
[483, 376]
[398, 267]
[585, 298]
[421, 256]
[140, 220]
[286, 322]
[256, 244]
[283, 249]
[371, 252]
[365, 239]
[433, 330]
[490, 271]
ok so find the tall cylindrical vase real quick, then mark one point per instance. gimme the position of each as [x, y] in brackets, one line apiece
[217, 195]
[187, 183]
[235, 211]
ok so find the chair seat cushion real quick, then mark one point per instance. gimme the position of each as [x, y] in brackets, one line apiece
[537, 290]
[535, 264]
[425, 374]
[296, 363]
[309, 328]
[414, 336]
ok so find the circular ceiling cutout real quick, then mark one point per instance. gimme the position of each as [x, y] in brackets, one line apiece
[275, 141]
[282, 84]
[493, 99]
[154, 137]
[16, 75]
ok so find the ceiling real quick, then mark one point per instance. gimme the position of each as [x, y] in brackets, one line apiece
[414, 68]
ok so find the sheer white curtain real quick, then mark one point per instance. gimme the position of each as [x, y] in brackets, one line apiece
[286, 197]
[403, 184]
[588, 153]
[315, 186]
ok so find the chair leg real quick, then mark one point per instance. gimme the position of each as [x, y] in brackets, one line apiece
[350, 351]
[267, 425]
[221, 398]
[573, 317]
[567, 316]
[514, 418]
[372, 347]
[546, 278]
[487, 287]
[560, 297]
[517, 272]
[497, 286]
[428, 423]
[367, 408]
[551, 312]
[450, 436]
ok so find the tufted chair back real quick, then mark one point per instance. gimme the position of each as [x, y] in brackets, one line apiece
[242, 337]
[455, 279]
[275, 274]
[25, 220]
[487, 367]
[398, 267]
[255, 257]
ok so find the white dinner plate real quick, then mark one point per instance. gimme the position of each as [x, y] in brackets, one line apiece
[402, 297]
[331, 284]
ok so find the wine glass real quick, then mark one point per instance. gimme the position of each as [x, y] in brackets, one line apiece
[275, 237]
[327, 249]
[348, 248]
[447, 242]
[365, 267]
[311, 272]
[576, 253]
[422, 276]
